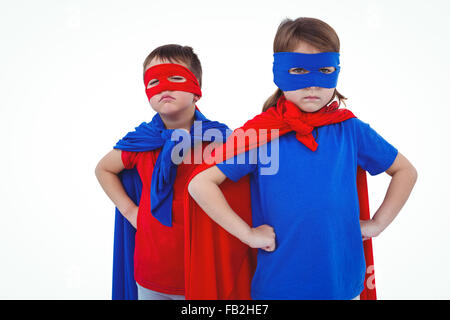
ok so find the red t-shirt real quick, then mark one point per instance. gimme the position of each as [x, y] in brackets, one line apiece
[159, 250]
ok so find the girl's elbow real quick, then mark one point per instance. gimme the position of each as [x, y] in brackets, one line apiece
[410, 173]
[193, 186]
[407, 169]
[199, 184]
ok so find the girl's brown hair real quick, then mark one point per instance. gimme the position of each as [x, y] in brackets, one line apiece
[313, 31]
[175, 53]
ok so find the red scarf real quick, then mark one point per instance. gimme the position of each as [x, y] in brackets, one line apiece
[286, 117]
[219, 266]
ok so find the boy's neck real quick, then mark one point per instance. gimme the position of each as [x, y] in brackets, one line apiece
[183, 120]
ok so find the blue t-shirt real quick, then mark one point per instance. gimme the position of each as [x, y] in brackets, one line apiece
[312, 204]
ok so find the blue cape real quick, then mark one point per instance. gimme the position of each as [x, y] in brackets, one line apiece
[123, 286]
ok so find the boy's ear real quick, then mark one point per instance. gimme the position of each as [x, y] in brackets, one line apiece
[196, 98]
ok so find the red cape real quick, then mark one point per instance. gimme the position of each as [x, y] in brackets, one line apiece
[218, 265]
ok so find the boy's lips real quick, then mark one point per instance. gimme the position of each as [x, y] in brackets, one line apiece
[166, 96]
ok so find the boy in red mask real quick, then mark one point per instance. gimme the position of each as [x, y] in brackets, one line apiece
[146, 185]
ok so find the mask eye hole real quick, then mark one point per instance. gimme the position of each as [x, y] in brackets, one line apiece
[298, 71]
[177, 79]
[152, 83]
[327, 70]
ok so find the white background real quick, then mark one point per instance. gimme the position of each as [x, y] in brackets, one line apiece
[71, 86]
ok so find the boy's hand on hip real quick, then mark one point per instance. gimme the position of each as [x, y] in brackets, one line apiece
[131, 215]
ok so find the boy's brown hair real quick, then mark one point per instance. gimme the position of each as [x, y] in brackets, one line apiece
[176, 53]
[313, 31]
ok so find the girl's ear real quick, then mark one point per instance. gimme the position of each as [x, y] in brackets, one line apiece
[196, 98]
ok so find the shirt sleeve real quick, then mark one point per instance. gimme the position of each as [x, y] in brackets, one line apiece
[375, 154]
[129, 159]
[238, 166]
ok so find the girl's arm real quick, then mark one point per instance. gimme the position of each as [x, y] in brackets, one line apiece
[106, 171]
[404, 176]
[204, 188]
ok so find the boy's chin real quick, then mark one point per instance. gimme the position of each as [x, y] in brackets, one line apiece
[170, 108]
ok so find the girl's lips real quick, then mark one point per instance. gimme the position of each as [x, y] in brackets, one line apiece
[311, 97]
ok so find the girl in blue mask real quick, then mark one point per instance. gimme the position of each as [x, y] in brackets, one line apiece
[306, 215]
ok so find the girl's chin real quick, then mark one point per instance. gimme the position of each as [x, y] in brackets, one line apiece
[309, 107]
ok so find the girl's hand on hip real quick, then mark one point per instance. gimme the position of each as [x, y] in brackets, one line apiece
[262, 237]
[369, 229]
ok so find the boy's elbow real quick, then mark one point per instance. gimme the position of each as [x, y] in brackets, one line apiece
[414, 174]
[97, 169]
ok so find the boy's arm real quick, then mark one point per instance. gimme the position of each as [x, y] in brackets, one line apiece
[404, 176]
[204, 188]
[107, 171]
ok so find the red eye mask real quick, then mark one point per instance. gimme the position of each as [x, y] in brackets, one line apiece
[163, 72]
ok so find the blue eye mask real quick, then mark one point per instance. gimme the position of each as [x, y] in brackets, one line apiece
[312, 62]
